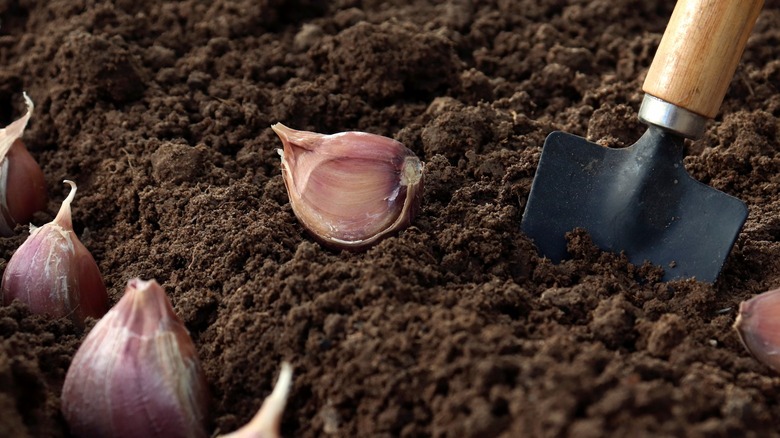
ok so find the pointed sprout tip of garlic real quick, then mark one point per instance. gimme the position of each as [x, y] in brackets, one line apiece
[267, 421]
[278, 398]
[14, 131]
[28, 102]
[64, 218]
[22, 184]
[72, 192]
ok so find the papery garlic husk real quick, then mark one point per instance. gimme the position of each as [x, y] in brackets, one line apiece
[22, 185]
[350, 189]
[758, 326]
[268, 420]
[54, 274]
[137, 373]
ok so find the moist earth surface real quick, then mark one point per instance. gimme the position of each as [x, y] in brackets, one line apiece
[454, 327]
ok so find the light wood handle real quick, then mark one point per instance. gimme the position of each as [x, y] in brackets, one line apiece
[699, 52]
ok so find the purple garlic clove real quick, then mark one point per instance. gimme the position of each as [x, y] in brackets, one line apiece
[137, 373]
[351, 189]
[54, 274]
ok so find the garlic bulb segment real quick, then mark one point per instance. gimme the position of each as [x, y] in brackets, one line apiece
[267, 422]
[22, 185]
[350, 189]
[137, 373]
[758, 326]
[53, 273]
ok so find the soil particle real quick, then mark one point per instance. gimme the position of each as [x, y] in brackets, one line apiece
[97, 65]
[391, 60]
[613, 322]
[665, 334]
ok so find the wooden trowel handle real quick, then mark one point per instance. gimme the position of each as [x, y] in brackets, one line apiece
[699, 53]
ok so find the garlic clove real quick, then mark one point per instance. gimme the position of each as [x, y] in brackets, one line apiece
[350, 189]
[268, 420]
[53, 273]
[137, 373]
[758, 326]
[22, 185]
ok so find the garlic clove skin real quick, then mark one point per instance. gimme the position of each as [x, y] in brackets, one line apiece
[53, 273]
[137, 373]
[268, 420]
[22, 184]
[350, 189]
[758, 326]
[28, 186]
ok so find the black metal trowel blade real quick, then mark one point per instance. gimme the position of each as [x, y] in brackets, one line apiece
[639, 200]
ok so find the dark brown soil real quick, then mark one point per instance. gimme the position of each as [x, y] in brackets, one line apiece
[455, 328]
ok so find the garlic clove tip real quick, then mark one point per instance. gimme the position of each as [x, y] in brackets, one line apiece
[267, 421]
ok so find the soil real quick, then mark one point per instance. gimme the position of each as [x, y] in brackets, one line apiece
[161, 112]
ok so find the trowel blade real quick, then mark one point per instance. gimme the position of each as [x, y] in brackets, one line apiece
[638, 200]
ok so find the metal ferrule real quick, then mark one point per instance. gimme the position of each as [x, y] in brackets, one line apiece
[670, 117]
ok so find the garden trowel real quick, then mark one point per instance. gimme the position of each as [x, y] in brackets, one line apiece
[640, 200]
